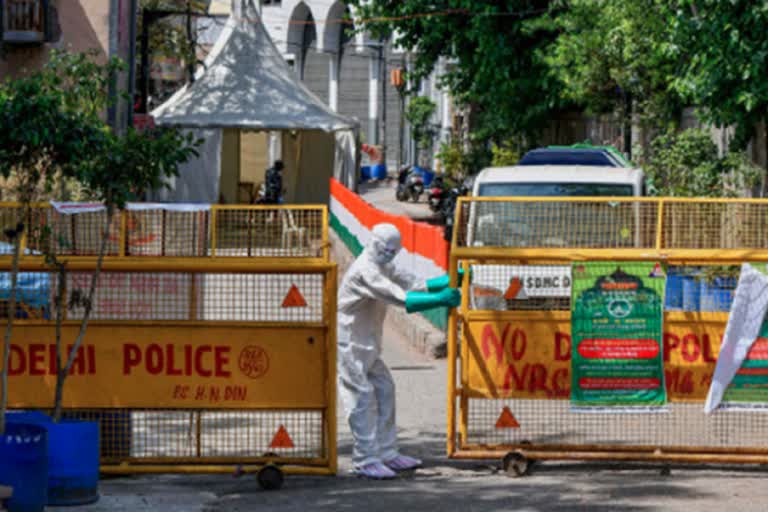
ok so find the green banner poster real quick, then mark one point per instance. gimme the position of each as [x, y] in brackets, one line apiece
[616, 321]
[749, 388]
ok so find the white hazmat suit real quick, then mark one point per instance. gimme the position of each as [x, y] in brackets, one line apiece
[365, 384]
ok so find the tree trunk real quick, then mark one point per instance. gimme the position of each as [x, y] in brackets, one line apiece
[63, 373]
[61, 304]
[11, 314]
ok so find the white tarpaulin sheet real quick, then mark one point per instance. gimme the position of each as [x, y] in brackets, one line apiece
[198, 180]
[750, 303]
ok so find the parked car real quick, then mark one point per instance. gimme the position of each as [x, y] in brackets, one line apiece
[579, 154]
[539, 224]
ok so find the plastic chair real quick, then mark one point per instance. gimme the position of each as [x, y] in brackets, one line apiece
[292, 231]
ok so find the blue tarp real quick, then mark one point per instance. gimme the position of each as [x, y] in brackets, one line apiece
[33, 288]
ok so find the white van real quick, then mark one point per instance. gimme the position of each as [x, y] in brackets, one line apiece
[509, 224]
[551, 180]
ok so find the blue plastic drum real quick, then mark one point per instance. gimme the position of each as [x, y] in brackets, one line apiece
[73, 457]
[718, 296]
[24, 467]
[674, 293]
[691, 293]
[365, 173]
[428, 177]
[379, 172]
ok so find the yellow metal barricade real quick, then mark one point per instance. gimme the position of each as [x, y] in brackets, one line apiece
[212, 341]
[509, 348]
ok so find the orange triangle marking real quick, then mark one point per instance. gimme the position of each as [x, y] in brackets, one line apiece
[281, 439]
[294, 298]
[507, 419]
[515, 285]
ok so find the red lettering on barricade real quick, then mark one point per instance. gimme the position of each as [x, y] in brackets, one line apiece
[489, 336]
[198, 361]
[221, 359]
[513, 347]
[187, 360]
[172, 366]
[530, 358]
[562, 347]
[36, 359]
[670, 342]
[21, 360]
[170, 355]
[131, 357]
[203, 361]
[690, 348]
[561, 382]
[513, 375]
[539, 379]
[154, 358]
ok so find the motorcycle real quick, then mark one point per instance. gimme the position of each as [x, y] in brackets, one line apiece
[410, 184]
[437, 194]
[449, 206]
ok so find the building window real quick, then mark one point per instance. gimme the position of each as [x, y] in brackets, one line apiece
[270, 2]
[24, 21]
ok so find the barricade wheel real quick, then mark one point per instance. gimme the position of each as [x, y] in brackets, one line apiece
[515, 464]
[270, 478]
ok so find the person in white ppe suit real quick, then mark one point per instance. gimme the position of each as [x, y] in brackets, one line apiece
[365, 384]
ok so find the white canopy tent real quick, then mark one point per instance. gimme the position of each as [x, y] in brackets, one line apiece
[246, 86]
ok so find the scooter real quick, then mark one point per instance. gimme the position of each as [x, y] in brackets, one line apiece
[437, 194]
[401, 194]
[409, 185]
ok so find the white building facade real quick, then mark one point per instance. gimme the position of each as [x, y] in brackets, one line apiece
[350, 71]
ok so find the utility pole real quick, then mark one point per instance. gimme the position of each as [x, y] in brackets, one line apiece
[382, 74]
[192, 44]
[399, 84]
[132, 61]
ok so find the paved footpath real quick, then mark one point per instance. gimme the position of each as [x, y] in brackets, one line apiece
[445, 485]
[381, 194]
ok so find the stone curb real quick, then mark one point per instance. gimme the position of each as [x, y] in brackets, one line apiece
[421, 335]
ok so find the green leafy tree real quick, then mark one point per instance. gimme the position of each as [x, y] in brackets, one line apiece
[52, 128]
[130, 165]
[726, 61]
[686, 164]
[496, 53]
[419, 114]
[504, 154]
[49, 128]
[619, 56]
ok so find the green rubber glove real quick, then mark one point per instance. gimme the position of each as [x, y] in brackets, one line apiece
[421, 301]
[440, 283]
